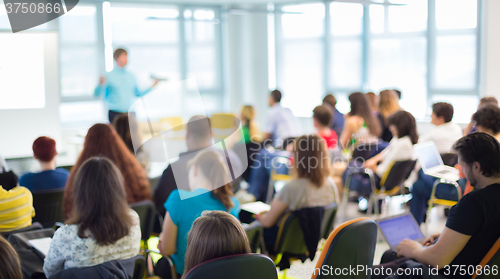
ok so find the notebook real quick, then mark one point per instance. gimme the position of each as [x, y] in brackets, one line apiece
[41, 245]
[432, 163]
[396, 228]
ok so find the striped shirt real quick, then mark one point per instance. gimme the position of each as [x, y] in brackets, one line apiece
[16, 208]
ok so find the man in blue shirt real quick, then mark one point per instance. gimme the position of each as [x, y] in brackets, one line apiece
[44, 150]
[337, 123]
[119, 87]
[281, 123]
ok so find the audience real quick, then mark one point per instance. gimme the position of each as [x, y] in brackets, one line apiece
[281, 123]
[102, 227]
[44, 151]
[102, 140]
[388, 104]
[322, 116]
[483, 102]
[9, 261]
[198, 137]
[473, 225]
[16, 208]
[210, 190]
[250, 128]
[373, 101]
[487, 120]
[337, 123]
[126, 126]
[214, 235]
[312, 185]
[360, 124]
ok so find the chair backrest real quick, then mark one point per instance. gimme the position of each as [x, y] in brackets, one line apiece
[349, 245]
[491, 260]
[245, 266]
[290, 237]
[48, 207]
[328, 219]
[139, 267]
[449, 159]
[35, 226]
[146, 211]
[397, 174]
[255, 233]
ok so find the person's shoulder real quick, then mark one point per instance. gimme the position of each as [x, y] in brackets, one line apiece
[25, 178]
[296, 184]
[61, 171]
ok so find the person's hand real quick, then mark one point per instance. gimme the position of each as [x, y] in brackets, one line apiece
[102, 80]
[407, 248]
[371, 164]
[430, 240]
[155, 83]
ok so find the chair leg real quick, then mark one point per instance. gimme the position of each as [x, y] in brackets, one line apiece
[345, 197]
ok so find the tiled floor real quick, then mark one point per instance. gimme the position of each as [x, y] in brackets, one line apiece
[300, 270]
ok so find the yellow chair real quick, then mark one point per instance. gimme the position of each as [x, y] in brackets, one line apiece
[433, 200]
[175, 122]
[223, 120]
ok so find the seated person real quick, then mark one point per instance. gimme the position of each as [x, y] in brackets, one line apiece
[9, 261]
[214, 234]
[44, 150]
[210, 190]
[387, 105]
[322, 116]
[404, 131]
[16, 208]
[471, 127]
[102, 227]
[126, 127]
[251, 132]
[337, 123]
[487, 120]
[473, 225]
[102, 140]
[198, 136]
[281, 123]
[312, 185]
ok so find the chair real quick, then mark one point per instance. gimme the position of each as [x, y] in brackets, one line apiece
[66, 167]
[147, 212]
[449, 159]
[349, 245]
[255, 235]
[139, 267]
[491, 259]
[34, 226]
[433, 200]
[48, 207]
[391, 183]
[290, 240]
[245, 266]
[328, 219]
[363, 152]
[276, 163]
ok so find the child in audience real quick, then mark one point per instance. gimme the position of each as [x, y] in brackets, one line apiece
[250, 128]
[102, 140]
[322, 116]
[102, 226]
[388, 104]
[311, 187]
[214, 235]
[16, 208]
[44, 150]
[9, 261]
[210, 190]
[360, 124]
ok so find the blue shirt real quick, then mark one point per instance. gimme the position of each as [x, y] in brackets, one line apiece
[120, 90]
[184, 212]
[45, 180]
[337, 122]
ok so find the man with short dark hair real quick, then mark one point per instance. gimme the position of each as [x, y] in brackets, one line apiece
[119, 87]
[473, 225]
[281, 123]
[337, 123]
[322, 116]
[484, 102]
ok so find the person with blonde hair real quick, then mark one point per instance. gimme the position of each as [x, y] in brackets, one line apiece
[387, 105]
[214, 234]
[9, 261]
[249, 126]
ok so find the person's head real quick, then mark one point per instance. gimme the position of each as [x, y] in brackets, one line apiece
[441, 113]
[44, 149]
[402, 123]
[275, 97]
[487, 120]
[122, 124]
[9, 261]
[372, 100]
[479, 156]
[487, 101]
[388, 103]
[247, 114]
[330, 100]
[121, 57]
[100, 203]
[360, 107]
[198, 132]
[322, 117]
[209, 171]
[214, 234]
[311, 159]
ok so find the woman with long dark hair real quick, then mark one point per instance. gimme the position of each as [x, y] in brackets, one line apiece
[102, 140]
[360, 124]
[210, 184]
[102, 226]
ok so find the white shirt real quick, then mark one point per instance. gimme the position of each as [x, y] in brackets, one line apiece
[68, 250]
[398, 150]
[281, 123]
[444, 136]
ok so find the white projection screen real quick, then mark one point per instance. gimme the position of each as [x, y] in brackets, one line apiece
[29, 91]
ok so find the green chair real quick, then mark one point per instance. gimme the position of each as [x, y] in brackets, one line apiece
[328, 220]
[255, 235]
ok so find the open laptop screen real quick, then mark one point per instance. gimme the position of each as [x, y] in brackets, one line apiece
[428, 156]
[398, 228]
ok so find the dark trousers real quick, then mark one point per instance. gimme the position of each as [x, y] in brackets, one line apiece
[112, 114]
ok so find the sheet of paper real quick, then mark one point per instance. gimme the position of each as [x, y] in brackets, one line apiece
[255, 207]
[41, 244]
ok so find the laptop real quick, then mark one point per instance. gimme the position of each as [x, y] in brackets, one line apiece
[432, 164]
[396, 228]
